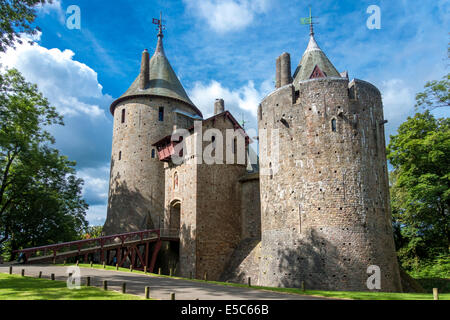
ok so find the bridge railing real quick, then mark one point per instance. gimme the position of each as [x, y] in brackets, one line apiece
[77, 246]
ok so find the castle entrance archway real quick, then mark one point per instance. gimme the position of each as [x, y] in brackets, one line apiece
[175, 216]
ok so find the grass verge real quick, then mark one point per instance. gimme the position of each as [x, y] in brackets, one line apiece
[329, 294]
[14, 287]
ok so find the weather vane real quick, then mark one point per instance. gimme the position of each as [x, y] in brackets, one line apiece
[309, 21]
[160, 24]
[243, 121]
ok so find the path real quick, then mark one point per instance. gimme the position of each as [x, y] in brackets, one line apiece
[160, 287]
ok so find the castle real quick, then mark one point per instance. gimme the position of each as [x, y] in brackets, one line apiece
[314, 212]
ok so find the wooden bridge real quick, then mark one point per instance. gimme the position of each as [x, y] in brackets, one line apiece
[132, 248]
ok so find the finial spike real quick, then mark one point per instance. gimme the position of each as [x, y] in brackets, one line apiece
[311, 24]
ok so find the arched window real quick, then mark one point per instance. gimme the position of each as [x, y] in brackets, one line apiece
[161, 114]
[153, 154]
[120, 155]
[333, 125]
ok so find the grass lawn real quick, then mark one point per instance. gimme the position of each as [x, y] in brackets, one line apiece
[14, 287]
[330, 294]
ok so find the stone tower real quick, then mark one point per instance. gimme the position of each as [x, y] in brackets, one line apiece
[154, 105]
[325, 213]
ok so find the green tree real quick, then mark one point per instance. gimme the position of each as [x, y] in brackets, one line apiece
[17, 16]
[436, 94]
[40, 197]
[93, 232]
[420, 186]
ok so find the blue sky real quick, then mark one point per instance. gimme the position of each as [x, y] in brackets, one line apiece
[219, 49]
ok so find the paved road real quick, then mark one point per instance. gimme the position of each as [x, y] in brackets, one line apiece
[160, 287]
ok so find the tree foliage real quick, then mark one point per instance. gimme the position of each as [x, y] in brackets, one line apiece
[93, 232]
[436, 94]
[40, 196]
[420, 186]
[17, 16]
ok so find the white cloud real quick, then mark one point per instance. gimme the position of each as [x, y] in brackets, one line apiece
[72, 87]
[246, 98]
[95, 192]
[398, 101]
[96, 215]
[227, 15]
[96, 184]
[53, 7]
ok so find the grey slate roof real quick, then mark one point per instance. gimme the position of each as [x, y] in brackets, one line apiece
[163, 81]
[314, 56]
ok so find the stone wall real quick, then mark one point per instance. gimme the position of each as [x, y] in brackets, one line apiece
[136, 191]
[250, 206]
[325, 207]
[244, 263]
[211, 207]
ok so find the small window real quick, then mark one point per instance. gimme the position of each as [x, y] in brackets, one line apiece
[120, 155]
[161, 114]
[153, 154]
[333, 125]
[175, 181]
[123, 115]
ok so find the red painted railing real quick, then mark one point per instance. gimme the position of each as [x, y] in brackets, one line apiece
[88, 243]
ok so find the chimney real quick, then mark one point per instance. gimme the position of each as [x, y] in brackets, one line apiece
[285, 69]
[219, 106]
[144, 77]
[278, 73]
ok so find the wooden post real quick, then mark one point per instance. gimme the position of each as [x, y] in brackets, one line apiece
[124, 287]
[159, 271]
[10, 269]
[205, 276]
[147, 292]
[40, 274]
[105, 285]
[104, 265]
[249, 281]
[92, 264]
[65, 261]
[23, 273]
[436, 293]
[88, 281]
[170, 272]
[145, 269]
[172, 296]
[303, 286]
[78, 262]
[53, 276]
[190, 275]
[117, 267]
[131, 268]
[54, 260]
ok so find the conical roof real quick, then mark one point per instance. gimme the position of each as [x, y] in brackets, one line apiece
[162, 82]
[312, 58]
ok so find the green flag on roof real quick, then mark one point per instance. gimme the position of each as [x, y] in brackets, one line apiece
[305, 20]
